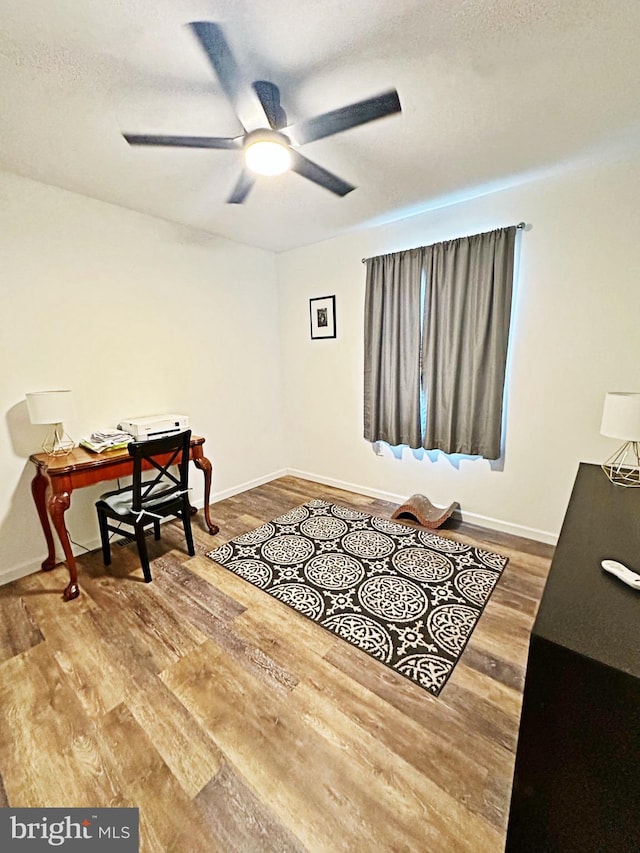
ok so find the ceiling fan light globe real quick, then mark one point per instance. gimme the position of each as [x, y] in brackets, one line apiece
[267, 157]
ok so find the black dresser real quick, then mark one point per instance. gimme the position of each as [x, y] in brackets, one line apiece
[577, 774]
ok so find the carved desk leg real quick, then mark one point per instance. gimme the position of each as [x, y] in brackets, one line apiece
[204, 465]
[39, 486]
[58, 504]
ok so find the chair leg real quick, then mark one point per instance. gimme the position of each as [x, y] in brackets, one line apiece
[104, 538]
[186, 523]
[156, 529]
[142, 552]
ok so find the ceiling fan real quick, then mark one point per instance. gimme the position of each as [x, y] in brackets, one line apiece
[269, 144]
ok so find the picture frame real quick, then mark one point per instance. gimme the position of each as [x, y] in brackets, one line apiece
[322, 311]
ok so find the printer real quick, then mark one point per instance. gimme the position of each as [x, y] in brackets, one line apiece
[153, 426]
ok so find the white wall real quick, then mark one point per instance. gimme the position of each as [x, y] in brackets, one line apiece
[136, 316]
[92, 295]
[574, 336]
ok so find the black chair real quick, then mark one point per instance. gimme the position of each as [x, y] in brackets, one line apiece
[148, 501]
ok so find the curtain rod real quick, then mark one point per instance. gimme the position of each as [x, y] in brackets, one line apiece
[520, 226]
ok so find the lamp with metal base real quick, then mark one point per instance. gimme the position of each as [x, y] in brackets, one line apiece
[52, 407]
[621, 419]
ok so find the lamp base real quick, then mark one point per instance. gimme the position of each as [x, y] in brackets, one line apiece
[58, 444]
[623, 468]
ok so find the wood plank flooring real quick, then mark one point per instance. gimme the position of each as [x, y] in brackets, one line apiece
[235, 724]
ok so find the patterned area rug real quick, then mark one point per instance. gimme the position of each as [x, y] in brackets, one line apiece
[405, 596]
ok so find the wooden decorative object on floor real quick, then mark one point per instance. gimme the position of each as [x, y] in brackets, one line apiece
[424, 512]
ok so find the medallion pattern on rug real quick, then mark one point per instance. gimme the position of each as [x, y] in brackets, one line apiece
[404, 595]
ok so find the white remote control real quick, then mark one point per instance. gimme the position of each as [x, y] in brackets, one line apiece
[622, 572]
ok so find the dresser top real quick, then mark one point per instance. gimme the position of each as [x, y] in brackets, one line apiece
[584, 608]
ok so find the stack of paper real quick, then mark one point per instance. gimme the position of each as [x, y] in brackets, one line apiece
[106, 439]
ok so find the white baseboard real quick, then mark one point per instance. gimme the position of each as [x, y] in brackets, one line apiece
[21, 571]
[471, 517]
[32, 566]
[16, 572]
[509, 527]
[250, 484]
[348, 487]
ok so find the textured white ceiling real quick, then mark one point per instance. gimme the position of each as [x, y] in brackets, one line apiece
[491, 91]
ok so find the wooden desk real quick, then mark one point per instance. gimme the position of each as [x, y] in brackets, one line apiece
[57, 476]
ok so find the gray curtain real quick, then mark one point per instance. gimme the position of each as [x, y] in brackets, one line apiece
[392, 349]
[466, 329]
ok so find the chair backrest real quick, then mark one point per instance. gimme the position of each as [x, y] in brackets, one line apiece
[156, 456]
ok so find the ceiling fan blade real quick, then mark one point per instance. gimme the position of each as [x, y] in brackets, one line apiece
[344, 118]
[241, 190]
[318, 175]
[269, 95]
[243, 98]
[183, 141]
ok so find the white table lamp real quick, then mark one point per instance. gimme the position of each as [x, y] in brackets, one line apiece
[52, 407]
[621, 419]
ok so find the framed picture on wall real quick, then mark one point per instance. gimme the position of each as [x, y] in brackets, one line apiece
[323, 317]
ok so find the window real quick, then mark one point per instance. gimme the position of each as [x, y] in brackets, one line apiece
[437, 325]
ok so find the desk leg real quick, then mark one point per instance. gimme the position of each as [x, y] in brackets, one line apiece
[39, 486]
[204, 465]
[58, 504]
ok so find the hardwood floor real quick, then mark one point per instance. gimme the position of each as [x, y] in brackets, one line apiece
[236, 724]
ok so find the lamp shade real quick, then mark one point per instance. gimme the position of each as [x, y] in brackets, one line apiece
[621, 415]
[49, 407]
